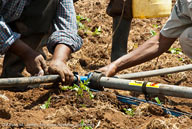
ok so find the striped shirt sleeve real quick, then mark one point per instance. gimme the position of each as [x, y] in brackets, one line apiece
[65, 27]
[7, 36]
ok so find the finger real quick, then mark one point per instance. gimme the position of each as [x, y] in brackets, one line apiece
[44, 65]
[62, 75]
[71, 80]
[40, 70]
[70, 76]
[102, 69]
[67, 77]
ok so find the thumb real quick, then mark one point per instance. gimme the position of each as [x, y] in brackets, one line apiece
[40, 70]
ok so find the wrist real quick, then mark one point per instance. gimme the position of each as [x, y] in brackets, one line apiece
[61, 53]
[115, 66]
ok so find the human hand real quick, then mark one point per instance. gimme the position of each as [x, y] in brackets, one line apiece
[59, 67]
[109, 70]
[35, 64]
[34, 61]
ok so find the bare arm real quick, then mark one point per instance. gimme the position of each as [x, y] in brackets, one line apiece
[149, 50]
[33, 60]
[58, 63]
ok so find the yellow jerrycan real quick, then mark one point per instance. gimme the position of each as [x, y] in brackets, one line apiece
[151, 8]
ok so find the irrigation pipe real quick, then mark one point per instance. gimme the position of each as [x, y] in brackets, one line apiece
[23, 81]
[146, 87]
[156, 72]
[14, 82]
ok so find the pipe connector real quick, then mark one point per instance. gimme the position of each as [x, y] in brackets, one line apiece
[95, 81]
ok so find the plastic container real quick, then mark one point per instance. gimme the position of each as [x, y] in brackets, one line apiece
[151, 8]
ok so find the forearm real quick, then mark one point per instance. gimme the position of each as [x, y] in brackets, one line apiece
[149, 50]
[21, 49]
[61, 52]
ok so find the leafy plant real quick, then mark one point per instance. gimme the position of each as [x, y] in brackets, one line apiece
[157, 100]
[84, 126]
[84, 28]
[176, 51]
[46, 104]
[153, 33]
[97, 31]
[79, 89]
[129, 111]
[81, 26]
[81, 18]
[181, 59]
[155, 26]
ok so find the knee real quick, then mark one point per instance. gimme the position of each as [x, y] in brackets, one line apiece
[185, 40]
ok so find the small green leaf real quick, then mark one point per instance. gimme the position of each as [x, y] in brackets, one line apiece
[153, 33]
[129, 111]
[176, 51]
[157, 100]
[46, 104]
[97, 31]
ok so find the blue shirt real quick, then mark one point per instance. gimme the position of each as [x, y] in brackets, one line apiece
[64, 25]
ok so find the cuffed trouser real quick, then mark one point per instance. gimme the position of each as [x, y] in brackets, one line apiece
[185, 40]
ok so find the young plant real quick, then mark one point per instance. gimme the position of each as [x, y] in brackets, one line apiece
[79, 89]
[176, 51]
[157, 100]
[129, 111]
[46, 104]
[153, 33]
[97, 31]
[80, 25]
[84, 126]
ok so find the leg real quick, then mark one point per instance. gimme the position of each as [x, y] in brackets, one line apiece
[120, 37]
[12, 64]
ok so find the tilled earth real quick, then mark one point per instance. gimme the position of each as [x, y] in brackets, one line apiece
[22, 109]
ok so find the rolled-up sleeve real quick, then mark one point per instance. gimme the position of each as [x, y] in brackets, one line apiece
[65, 27]
[7, 36]
[179, 20]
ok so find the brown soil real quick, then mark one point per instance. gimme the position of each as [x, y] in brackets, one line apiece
[22, 109]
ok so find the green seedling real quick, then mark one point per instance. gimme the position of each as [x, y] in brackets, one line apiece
[84, 126]
[157, 100]
[79, 89]
[79, 19]
[46, 104]
[129, 111]
[87, 30]
[176, 51]
[97, 31]
[181, 59]
[153, 33]
[156, 26]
